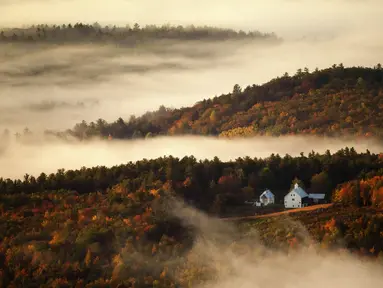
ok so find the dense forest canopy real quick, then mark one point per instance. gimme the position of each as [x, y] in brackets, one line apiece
[336, 101]
[80, 33]
[118, 227]
[126, 226]
[211, 184]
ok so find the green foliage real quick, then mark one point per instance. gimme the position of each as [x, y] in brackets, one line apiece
[196, 181]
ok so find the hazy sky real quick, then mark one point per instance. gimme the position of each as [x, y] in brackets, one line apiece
[67, 84]
[282, 16]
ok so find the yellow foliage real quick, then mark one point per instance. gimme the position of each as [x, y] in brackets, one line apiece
[163, 274]
[56, 239]
[238, 132]
[88, 258]
[117, 260]
[154, 192]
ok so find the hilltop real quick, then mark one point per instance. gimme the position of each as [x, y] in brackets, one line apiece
[336, 101]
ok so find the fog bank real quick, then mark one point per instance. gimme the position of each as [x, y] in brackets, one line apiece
[238, 259]
[70, 83]
[287, 17]
[48, 156]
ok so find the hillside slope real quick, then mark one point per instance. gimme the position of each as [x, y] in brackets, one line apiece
[332, 102]
[123, 226]
[106, 240]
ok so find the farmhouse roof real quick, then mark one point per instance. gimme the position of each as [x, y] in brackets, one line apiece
[317, 196]
[267, 194]
[298, 190]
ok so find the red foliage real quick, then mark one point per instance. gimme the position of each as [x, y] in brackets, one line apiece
[137, 218]
[225, 180]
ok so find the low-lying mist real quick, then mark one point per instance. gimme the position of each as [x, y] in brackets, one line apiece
[114, 82]
[19, 158]
[110, 82]
[240, 259]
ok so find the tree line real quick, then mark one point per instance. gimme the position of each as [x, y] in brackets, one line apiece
[114, 227]
[80, 32]
[211, 185]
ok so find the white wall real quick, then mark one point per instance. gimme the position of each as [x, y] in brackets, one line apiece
[293, 200]
[266, 201]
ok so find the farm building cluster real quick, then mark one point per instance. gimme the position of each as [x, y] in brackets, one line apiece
[296, 198]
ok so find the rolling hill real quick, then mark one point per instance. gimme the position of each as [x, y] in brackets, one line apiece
[336, 101]
[121, 237]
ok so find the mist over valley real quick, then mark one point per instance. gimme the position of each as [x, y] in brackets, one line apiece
[191, 143]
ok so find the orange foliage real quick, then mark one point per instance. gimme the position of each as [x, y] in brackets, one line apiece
[223, 180]
[344, 194]
[154, 192]
[148, 227]
[187, 182]
[120, 189]
[330, 225]
[55, 238]
[377, 197]
[293, 242]
[163, 274]
[127, 222]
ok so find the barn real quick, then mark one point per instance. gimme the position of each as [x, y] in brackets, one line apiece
[266, 198]
[317, 198]
[296, 198]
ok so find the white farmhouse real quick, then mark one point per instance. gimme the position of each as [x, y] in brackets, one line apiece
[296, 198]
[267, 198]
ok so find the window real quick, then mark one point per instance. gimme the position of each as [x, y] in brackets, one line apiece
[293, 199]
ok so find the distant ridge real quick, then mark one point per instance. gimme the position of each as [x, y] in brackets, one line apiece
[80, 33]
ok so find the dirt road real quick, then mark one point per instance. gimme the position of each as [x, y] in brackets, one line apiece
[290, 211]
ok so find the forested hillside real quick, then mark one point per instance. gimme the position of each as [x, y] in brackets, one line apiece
[211, 185]
[333, 102]
[119, 227]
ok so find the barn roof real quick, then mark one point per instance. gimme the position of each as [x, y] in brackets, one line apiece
[268, 194]
[298, 190]
[317, 196]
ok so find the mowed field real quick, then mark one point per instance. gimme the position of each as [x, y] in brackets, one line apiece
[290, 211]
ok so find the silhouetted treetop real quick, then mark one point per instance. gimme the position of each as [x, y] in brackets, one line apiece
[80, 32]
